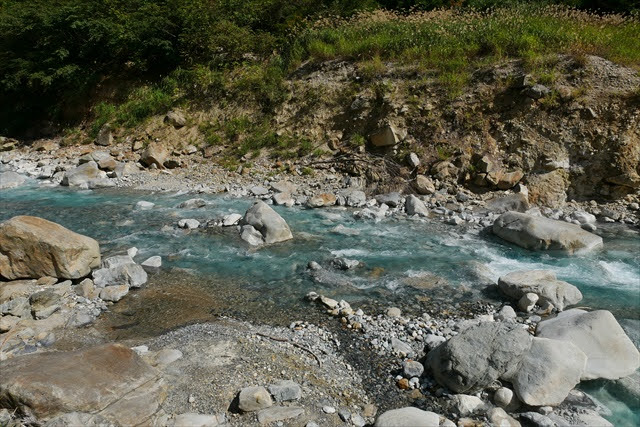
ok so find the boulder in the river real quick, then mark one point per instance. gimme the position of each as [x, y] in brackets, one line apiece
[544, 284]
[321, 200]
[192, 204]
[539, 233]
[610, 352]
[154, 154]
[10, 179]
[32, 247]
[548, 372]
[408, 416]
[414, 206]
[83, 175]
[479, 355]
[109, 380]
[264, 219]
[129, 274]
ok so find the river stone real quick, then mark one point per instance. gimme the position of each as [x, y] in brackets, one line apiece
[285, 390]
[105, 135]
[610, 352]
[536, 419]
[414, 206]
[32, 247]
[542, 283]
[408, 416]
[279, 413]
[479, 355]
[18, 307]
[321, 200]
[144, 205]
[506, 398]
[514, 202]
[192, 204]
[132, 275]
[189, 223]
[11, 179]
[114, 293]
[499, 418]
[402, 348]
[539, 233]
[114, 261]
[154, 154]
[390, 199]
[191, 419]
[283, 199]
[251, 235]
[231, 219]
[548, 372]
[253, 399]
[44, 303]
[271, 226]
[411, 368]
[355, 198]
[424, 185]
[82, 175]
[109, 380]
[152, 262]
[467, 405]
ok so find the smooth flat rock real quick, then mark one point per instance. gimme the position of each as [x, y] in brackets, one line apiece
[539, 233]
[110, 380]
[610, 352]
[478, 356]
[265, 220]
[548, 372]
[279, 413]
[408, 416]
[543, 283]
[32, 247]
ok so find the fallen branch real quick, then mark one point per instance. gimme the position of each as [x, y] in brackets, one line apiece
[279, 339]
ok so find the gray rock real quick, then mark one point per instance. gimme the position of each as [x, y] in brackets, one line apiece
[408, 416]
[231, 220]
[18, 307]
[479, 355]
[506, 314]
[284, 187]
[535, 419]
[189, 223]
[131, 275]
[499, 417]
[251, 236]
[432, 341]
[144, 205]
[424, 185]
[414, 206]
[542, 283]
[285, 199]
[411, 368]
[610, 353]
[87, 289]
[175, 119]
[393, 312]
[279, 413]
[114, 261]
[114, 293]
[155, 154]
[402, 348]
[527, 302]
[540, 233]
[345, 263]
[105, 136]
[506, 399]
[285, 390]
[355, 198]
[152, 262]
[253, 399]
[413, 160]
[467, 405]
[537, 91]
[192, 204]
[11, 179]
[44, 303]
[548, 372]
[389, 199]
[258, 190]
[271, 226]
[191, 419]
[82, 175]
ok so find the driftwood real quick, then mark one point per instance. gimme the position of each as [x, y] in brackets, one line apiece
[279, 339]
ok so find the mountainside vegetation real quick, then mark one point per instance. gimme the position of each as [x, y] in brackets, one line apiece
[63, 62]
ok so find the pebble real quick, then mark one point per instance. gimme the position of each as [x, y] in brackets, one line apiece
[328, 409]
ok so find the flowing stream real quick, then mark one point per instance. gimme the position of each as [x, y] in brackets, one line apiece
[398, 255]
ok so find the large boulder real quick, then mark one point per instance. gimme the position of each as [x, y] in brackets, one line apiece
[414, 206]
[610, 352]
[154, 154]
[542, 283]
[32, 247]
[83, 175]
[539, 233]
[548, 372]
[264, 219]
[10, 179]
[479, 355]
[109, 380]
[408, 416]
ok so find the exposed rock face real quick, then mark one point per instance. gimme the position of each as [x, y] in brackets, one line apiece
[542, 283]
[610, 352]
[271, 226]
[109, 380]
[539, 233]
[479, 355]
[548, 372]
[408, 416]
[83, 175]
[32, 247]
[10, 179]
[154, 154]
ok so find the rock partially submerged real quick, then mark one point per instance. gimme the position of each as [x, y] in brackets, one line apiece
[32, 247]
[110, 381]
[539, 233]
[544, 284]
[272, 227]
[610, 353]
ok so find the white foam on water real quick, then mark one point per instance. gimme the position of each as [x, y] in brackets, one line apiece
[350, 252]
[621, 273]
